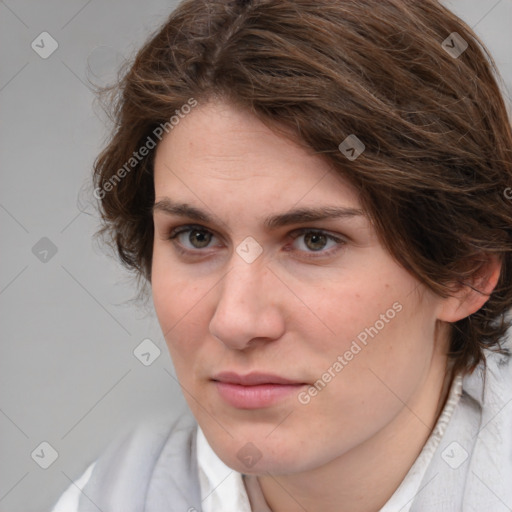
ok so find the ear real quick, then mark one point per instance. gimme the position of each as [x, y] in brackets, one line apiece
[473, 294]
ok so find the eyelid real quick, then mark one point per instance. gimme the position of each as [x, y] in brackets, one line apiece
[186, 227]
[189, 227]
[299, 231]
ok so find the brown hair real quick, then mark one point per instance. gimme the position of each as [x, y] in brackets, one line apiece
[437, 157]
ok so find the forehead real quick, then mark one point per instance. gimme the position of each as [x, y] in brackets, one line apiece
[220, 149]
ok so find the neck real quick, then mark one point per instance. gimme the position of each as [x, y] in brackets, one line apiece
[379, 464]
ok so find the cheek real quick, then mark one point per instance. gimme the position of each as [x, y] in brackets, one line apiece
[383, 358]
[349, 308]
[179, 303]
[377, 324]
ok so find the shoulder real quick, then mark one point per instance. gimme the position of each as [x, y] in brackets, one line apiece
[491, 383]
[491, 456]
[68, 501]
[132, 454]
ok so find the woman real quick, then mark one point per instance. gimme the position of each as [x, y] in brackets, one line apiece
[315, 195]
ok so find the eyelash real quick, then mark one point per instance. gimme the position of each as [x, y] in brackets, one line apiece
[294, 235]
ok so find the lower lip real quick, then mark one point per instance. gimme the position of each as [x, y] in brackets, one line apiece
[254, 397]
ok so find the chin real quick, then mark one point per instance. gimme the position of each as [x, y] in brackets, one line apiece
[273, 464]
[258, 454]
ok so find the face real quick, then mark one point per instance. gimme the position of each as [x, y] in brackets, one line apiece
[315, 322]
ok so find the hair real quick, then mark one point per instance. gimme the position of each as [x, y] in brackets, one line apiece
[437, 163]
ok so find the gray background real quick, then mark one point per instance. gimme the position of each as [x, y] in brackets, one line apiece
[68, 375]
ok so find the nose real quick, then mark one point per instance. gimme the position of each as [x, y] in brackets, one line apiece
[249, 307]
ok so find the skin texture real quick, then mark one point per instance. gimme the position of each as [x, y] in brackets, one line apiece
[291, 315]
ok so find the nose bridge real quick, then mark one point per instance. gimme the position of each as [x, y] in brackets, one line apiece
[245, 286]
[246, 307]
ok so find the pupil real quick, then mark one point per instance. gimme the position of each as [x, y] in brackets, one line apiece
[200, 237]
[315, 237]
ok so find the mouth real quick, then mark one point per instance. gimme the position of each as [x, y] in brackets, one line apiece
[255, 390]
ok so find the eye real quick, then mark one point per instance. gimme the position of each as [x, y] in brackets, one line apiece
[314, 241]
[198, 237]
[191, 239]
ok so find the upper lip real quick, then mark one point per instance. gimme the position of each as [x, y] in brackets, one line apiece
[252, 379]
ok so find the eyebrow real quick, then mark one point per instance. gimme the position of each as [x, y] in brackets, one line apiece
[296, 216]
